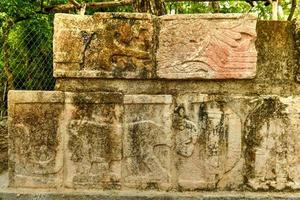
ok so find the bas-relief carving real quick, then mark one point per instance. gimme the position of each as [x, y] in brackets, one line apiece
[207, 48]
[94, 144]
[127, 47]
[219, 141]
[187, 133]
[123, 46]
[231, 142]
[208, 134]
[272, 144]
[36, 145]
[147, 143]
[115, 47]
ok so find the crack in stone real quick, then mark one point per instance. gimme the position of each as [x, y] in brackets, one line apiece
[226, 172]
[87, 38]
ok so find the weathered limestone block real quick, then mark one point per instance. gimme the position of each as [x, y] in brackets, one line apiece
[277, 58]
[297, 47]
[147, 142]
[93, 143]
[272, 143]
[35, 139]
[105, 45]
[208, 133]
[219, 46]
[230, 141]
[3, 144]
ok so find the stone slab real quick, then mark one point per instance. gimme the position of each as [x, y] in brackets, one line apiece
[209, 133]
[35, 139]
[187, 142]
[93, 143]
[219, 46]
[133, 195]
[104, 45]
[271, 135]
[236, 142]
[147, 158]
[297, 47]
[3, 145]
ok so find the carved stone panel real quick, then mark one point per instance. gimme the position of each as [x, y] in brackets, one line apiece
[35, 139]
[219, 46]
[147, 142]
[272, 144]
[93, 141]
[231, 141]
[297, 47]
[106, 45]
[208, 134]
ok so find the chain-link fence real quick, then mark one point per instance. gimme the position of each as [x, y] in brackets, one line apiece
[26, 60]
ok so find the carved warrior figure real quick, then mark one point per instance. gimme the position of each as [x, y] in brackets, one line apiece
[187, 134]
[267, 148]
[201, 146]
[94, 145]
[36, 140]
[146, 139]
[212, 128]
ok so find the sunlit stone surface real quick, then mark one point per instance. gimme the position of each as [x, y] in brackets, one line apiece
[147, 141]
[36, 139]
[102, 131]
[93, 145]
[218, 46]
[106, 45]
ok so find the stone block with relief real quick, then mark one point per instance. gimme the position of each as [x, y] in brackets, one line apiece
[104, 45]
[272, 147]
[147, 143]
[35, 139]
[208, 134]
[218, 46]
[93, 144]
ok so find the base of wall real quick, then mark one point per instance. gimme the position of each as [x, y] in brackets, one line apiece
[10, 194]
[46, 194]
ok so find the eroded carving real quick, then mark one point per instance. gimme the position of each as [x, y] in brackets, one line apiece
[209, 144]
[187, 133]
[267, 150]
[209, 48]
[36, 145]
[118, 46]
[147, 143]
[126, 48]
[94, 142]
[297, 47]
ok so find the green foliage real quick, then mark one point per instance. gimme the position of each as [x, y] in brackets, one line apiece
[31, 54]
[30, 46]
[262, 11]
[18, 9]
[117, 9]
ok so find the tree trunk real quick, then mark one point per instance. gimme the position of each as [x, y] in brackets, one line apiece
[215, 6]
[155, 7]
[293, 8]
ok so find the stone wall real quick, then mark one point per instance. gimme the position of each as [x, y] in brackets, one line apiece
[3, 145]
[172, 103]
